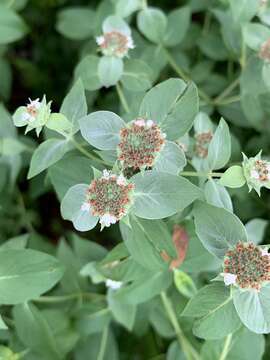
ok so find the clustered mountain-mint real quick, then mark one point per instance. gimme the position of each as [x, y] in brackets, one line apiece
[115, 43]
[140, 143]
[202, 141]
[109, 197]
[247, 266]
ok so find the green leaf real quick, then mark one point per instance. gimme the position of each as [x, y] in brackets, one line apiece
[59, 123]
[217, 195]
[12, 27]
[11, 147]
[71, 208]
[145, 288]
[213, 307]
[35, 333]
[47, 154]
[160, 196]
[116, 23]
[233, 177]
[87, 71]
[3, 326]
[92, 318]
[102, 129]
[136, 75]
[172, 159]
[152, 22]
[217, 228]
[173, 104]
[63, 176]
[219, 151]
[255, 35]
[76, 23]
[123, 313]
[26, 274]
[184, 283]
[255, 230]
[74, 106]
[110, 70]
[178, 24]
[18, 242]
[244, 10]
[124, 8]
[253, 308]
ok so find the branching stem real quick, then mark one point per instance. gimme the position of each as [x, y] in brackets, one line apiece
[122, 98]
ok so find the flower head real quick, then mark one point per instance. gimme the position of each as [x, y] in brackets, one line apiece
[246, 266]
[34, 115]
[264, 52]
[140, 143]
[115, 43]
[257, 172]
[202, 141]
[109, 197]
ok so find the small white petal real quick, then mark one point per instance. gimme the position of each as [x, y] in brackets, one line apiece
[107, 220]
[106, 174]
[229, 278]
[149, 123]
[114, 285]
[26, 116]
[130, 43]
[100, 40]
[264, 252]
[139, 122]
[254, 174]
[85, 207]
[121, 180]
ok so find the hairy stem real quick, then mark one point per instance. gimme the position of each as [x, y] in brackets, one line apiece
[188, 349]
[122, 98]
[200, 174]
[185, 77]
[227, 91]
[226, 347]
[103, 343]
[87, 153]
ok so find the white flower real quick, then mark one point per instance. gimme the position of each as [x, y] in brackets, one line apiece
[112, 284]
[85, 207]
[164, 135]
[34, 103]
[130, 43]
[229, 278]
[139, 122]
[107, 220]
[254, 174]
[149, 123]
[100, 40]
[106, 174]
[121, 180]
[265, 252]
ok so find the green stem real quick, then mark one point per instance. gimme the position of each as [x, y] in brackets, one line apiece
[226, 347]
[28, 224]
[230, 100]
[103, 343]
[68, 297]
[185, 345]
[243, 55]
[87, 153]
[122, 98]
[182, 74]
[200, 174]
[227, 91]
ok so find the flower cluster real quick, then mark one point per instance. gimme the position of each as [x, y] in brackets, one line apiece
[140, 143]
[257, 172]
[34, 115]
[115, 43]
[264, 52]
[202, 141]
[109, 197]
[246, 266]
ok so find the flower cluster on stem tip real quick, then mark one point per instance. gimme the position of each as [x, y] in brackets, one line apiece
[264, 52]
[109, 197]
[140, 143]
[115, 43]
[34, 115]
[257, 172]
[246, 266]
[202, 142]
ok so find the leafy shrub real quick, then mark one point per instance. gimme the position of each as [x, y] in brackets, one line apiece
[134, 187]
